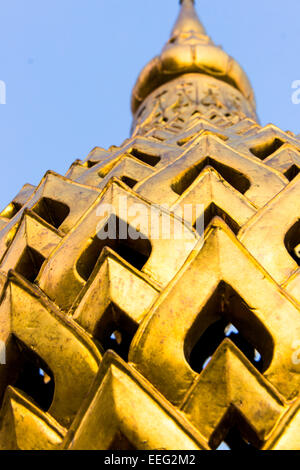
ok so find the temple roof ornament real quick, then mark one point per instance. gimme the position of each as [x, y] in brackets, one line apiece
[190, 50]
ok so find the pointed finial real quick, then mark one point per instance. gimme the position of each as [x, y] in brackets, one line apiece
[188, 20]
[190, 50]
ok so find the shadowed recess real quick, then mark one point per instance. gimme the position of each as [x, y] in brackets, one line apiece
[226, 315]
[234, 177]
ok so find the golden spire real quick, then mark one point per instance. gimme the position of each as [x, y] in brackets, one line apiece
[190, 50]
[188, 20]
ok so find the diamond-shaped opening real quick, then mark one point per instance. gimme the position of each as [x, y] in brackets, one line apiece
[234, 441]
[11, 210]
[234, 177]
[226, 315]
[213, 337]
[215, 211]
[234, 434]
[29, 264]
[115, 331]
[52, 211]
[129, 181]
[266, 149]
[292, 172]
[91, 163]
[33, 376]
[135, 251]
[151, 160]
[292, 242]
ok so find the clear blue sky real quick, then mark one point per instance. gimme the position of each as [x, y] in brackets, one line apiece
[69, 67]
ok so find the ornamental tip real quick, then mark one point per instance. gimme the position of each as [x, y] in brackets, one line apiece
[189, 50]
[188, 20]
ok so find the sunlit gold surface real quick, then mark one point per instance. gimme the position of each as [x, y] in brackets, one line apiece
[64, 295]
